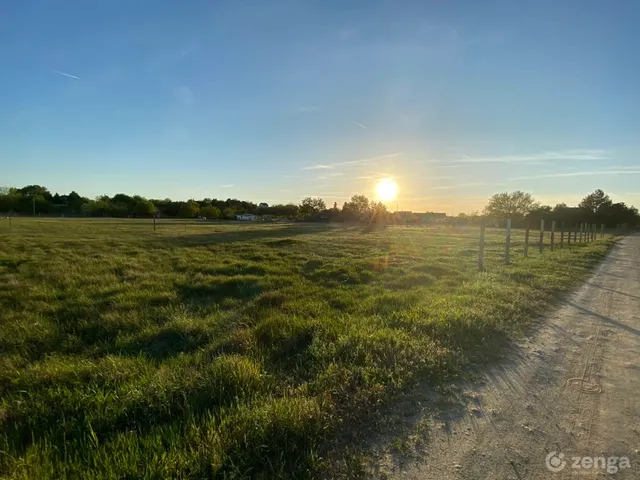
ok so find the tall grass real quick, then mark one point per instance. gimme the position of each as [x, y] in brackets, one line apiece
[227, 351]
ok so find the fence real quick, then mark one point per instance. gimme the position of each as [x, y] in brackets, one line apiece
[581, 232]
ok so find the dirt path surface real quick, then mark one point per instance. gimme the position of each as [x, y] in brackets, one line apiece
[573, 389]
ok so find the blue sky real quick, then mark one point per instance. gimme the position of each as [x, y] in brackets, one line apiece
[276, 100]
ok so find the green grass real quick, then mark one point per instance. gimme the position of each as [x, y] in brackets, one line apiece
[236, 350]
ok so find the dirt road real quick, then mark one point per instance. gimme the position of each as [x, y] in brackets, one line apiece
[573, 389]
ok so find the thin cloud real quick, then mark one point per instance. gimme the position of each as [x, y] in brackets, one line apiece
[66, 74]
[329, 175]
[578, 174]
[318, 167]
[357, 124]
[360, 161]
[549, 156]
[226, 186]
[464, 185]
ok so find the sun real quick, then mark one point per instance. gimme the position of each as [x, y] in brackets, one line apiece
[386, 190]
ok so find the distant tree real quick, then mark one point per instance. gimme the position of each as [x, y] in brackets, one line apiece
[74, 202]
[189, 209]
[311, 206]
[563, 213]
[290, 210]
[145, 208]
[210, 211]
[118, 209]
[379, 213]
[228, 213]
[359, 204]
[515, 205]
[10, 199]
[541, 212]
[124, 199]
[617, 214]
[595, 201]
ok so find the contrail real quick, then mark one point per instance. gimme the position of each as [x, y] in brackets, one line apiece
[358, 124]
[66, 74]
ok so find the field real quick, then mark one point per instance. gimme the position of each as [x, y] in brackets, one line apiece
[240, 350]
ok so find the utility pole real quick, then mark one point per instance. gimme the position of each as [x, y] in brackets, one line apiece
[34, 206]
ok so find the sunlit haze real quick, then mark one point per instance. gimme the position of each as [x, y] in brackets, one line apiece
[275, 101]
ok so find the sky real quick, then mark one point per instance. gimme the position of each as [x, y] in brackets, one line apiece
[273, 101]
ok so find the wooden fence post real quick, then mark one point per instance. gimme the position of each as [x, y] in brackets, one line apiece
[541, 235]
[595, 231]
[526, 242]
[553, 233]
[562, 235]
[481, 250]
[575, 234]
[154, 223]
[508, 241]
[581, 228]
[602, 230]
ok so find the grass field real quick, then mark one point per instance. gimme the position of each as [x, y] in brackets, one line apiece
[239, 350]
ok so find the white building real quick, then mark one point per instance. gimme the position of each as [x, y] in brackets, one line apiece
[246, 216]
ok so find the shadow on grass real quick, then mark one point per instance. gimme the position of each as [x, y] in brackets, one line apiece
[166, 343]
[242, 233]
[233, 288]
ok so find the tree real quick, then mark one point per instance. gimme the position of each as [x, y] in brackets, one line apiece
[515, 205]
[595, 201]
[189, 209]
[310, 206]
[289, 210]
[379, 213]
[618, 213]
[228, 212]
[210, 211]
[10, 199]
[538, 213]
[74, 202]
[359, 204]
[145, 208]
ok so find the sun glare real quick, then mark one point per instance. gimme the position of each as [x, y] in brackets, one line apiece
[386, 190]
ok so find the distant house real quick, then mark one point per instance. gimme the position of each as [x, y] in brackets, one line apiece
[246, 216]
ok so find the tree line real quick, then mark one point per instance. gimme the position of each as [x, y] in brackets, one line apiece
[596, 207]
[520, 207]
[38, 200]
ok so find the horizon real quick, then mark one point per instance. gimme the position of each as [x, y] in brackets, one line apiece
[389, 204]
[274, 103]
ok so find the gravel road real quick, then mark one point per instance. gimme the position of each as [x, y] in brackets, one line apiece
[572, 389]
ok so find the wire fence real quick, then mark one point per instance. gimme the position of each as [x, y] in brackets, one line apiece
[550, 236]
